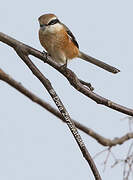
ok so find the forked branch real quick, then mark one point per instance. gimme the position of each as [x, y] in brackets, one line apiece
[23, 54]
[72, 78]
[100, 139]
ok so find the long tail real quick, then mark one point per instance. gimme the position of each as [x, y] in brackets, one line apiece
[98, 63]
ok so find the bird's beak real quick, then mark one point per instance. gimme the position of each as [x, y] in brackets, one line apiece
[43, 27]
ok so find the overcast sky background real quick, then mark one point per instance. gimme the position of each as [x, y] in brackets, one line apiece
[35, 145]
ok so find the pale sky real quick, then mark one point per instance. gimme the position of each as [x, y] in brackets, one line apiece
[35, 144]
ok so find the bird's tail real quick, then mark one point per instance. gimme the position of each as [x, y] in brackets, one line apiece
[98, 63]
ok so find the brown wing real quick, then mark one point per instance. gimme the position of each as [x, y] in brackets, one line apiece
[70, 34]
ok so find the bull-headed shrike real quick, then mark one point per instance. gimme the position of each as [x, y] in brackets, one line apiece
[61, 45]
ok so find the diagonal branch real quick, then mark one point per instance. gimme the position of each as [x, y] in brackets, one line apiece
[100, 139]
[72, 78]
[22, 53]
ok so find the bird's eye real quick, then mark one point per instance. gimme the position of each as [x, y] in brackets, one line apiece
[54, 21]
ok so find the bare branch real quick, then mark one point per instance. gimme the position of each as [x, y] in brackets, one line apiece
[100, 139]
[72, 78]
[23, 54]
[24, 51]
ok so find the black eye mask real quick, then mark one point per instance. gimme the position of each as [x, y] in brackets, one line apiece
[54, 21]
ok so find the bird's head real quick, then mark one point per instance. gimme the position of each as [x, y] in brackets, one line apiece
[49, 23]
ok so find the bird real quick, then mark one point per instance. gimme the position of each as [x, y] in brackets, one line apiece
[60, 43]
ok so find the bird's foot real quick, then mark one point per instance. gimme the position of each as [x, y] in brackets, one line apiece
[45, 54]
[64, 66]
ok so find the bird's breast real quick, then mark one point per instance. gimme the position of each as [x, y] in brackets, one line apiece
[58, 45]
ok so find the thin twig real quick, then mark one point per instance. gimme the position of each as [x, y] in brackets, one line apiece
[128, 161]
[106, 159]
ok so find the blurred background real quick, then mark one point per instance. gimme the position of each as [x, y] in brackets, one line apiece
[34, 143]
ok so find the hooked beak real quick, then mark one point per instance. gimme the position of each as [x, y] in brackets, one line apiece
[43, 27]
